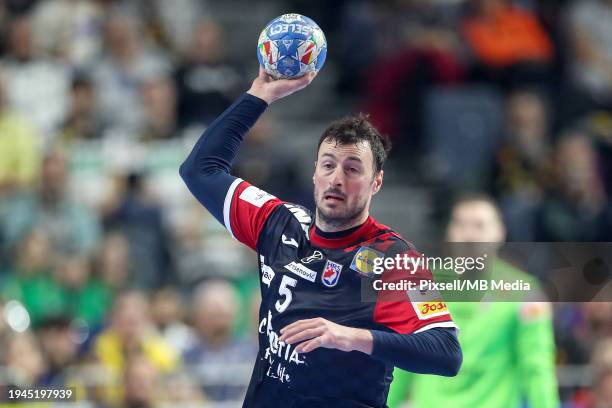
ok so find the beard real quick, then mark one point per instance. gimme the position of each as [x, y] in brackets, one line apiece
[339, 217]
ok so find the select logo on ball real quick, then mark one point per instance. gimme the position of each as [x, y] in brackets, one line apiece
[290, 46]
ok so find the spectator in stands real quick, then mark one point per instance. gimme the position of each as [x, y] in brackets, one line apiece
[57, 340]
[142, 383]
[70, 30]
[508, 42]
[357, 23]
[159, 106]
[591, 59]
[189, 246]
[168, 315]
[72, 228]
[113, 261]
[131, 330]
[218, 360]
[182, 389]
[85, 297]
[424, 53]
[139, 217]
[118, 77]
[30, 281]
[24, 361]
[269, 165]
[173, 23]
[83, 121]
[201, 249]
[18, 7]
[521, 163]
[129, 333]
[207, 83]
[19, 148]
[37, 88]
[576, 205]
[593, 327]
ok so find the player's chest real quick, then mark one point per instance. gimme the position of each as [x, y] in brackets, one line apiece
[316, 269]
[308, 279]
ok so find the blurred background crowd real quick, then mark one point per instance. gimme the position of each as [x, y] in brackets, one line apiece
[115, 281]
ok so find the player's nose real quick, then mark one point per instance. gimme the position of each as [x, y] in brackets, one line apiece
[337, 177]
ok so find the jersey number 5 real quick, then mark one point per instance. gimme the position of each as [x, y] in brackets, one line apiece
[285, 292]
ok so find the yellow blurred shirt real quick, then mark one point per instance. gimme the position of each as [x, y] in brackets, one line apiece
[109, 352]
[20, 151]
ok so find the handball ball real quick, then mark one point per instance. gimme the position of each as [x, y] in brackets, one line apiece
[290, 46]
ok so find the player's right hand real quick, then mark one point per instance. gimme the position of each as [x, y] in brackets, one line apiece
[269, 89]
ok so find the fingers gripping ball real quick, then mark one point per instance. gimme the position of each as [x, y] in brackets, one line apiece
[290, 46]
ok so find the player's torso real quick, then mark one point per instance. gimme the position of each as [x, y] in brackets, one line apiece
[300, 280]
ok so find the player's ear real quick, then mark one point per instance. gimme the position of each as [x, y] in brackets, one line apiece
[378, 181]
[313, 174]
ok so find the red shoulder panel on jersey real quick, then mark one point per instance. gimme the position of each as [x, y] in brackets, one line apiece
[410, 311]
[246, 210]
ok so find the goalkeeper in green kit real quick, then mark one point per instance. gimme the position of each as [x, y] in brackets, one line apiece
[508, 347]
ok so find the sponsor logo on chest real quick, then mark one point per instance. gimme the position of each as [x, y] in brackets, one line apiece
[302, 271]
[316, 256]
[363, 261]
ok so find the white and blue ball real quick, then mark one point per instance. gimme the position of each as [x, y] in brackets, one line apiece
[290, 46]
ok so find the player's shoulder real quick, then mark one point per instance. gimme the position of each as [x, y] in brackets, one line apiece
[292, 216]
[389, 242]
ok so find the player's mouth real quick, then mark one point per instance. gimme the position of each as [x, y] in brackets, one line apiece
[333, 198]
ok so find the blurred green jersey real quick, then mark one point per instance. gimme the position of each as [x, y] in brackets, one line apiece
[508, 358]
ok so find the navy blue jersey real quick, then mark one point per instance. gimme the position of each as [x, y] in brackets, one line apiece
[306, 275]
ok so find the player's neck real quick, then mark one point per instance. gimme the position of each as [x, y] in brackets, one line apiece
[324, 226]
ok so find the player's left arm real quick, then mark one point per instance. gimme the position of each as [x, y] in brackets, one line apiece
[536, 354]
[421, 335]
[434, 351]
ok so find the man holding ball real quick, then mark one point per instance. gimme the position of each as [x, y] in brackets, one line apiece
[321, 344]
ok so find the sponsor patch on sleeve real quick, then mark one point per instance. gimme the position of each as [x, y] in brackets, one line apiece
[267, 273]
[256, 196]
[427, 304]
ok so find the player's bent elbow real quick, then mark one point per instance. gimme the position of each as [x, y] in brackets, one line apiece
[453, 364]
[186, 171]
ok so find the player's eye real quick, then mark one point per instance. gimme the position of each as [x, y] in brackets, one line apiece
[327, 166]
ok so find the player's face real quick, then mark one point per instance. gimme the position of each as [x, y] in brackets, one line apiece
[475, 221]
[344, 182]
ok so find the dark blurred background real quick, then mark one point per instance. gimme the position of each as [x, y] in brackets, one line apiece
[115, 281]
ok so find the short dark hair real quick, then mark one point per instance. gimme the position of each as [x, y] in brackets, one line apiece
[358, 128]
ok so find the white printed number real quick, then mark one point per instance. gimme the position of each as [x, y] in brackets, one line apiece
[284, 291]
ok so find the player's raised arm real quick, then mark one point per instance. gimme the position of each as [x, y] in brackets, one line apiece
[206, 171]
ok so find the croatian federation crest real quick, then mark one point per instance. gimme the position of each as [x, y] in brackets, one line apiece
[331, 274]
